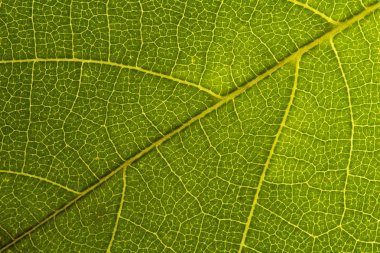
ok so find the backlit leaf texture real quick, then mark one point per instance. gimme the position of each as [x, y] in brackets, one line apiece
[189, 126]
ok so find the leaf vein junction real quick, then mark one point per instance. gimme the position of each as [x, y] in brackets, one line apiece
[271, 152]
[120, 65]
[222, 101]
[315, 11]
[39, 178]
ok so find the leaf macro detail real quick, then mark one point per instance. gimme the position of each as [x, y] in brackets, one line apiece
[189, 126]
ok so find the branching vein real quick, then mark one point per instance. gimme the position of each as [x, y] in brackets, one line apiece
[222, 101]
[119, 212]
[120, 66]
[38, 178]
[271, 152]
[352, 127]
[315, 11]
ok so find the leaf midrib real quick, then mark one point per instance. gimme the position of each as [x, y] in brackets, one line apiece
[296, 55]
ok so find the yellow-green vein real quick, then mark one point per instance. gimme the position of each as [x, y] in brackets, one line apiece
[120, 65]
[10, 236]
[118, 212]
[201, 115]
[271, 152]
[315, 11]
[39, 178]
[352, 128]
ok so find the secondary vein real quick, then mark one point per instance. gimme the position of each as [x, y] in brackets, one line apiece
[201, 115]
[315, 11]
[352, 128]
[118, 213]
[120, 65]
[271, 152]
[38, 178]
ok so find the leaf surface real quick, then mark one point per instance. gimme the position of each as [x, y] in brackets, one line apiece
[189, 126]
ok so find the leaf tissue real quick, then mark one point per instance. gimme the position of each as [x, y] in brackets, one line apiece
[189, 126]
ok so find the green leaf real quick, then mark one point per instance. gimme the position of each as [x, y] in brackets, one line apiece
[189, 126]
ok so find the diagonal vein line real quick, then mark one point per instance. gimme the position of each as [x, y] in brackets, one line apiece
[201, 115]
[119, 65]
[116, 225]
[1, 228]
[271, 152]
[287, 221]
[315, 11]
[38, 178]
[352, 128]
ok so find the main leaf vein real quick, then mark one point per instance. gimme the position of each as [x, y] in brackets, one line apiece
[296, 55]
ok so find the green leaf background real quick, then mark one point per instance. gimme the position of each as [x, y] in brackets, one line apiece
[189, 126]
